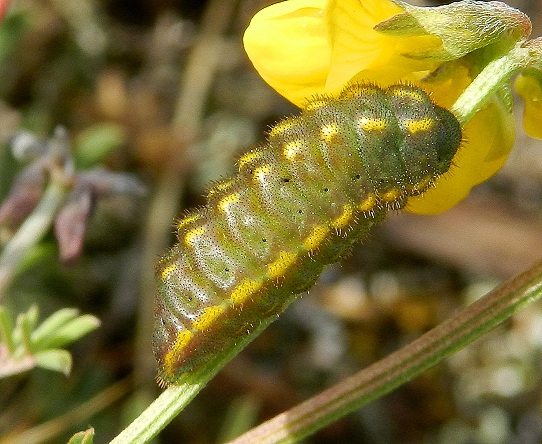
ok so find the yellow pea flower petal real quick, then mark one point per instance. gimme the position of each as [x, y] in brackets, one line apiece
[288, 44]
[356, 46]
[307, 47]
[530, 89]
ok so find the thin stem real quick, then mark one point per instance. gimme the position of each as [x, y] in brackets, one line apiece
[493, 76]
[401, 366]
[30, 232]
[176, 397]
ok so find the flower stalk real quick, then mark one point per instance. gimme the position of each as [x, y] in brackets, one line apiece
[495, 75]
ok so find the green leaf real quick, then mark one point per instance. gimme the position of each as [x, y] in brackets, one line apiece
[401, 25]
[463, 26]
[70, 331]
[24, 348]
[6, 329]
[31, 317]
[85, 437]
[55, 359]
[50, 326]
[27, 322]
[93, 144]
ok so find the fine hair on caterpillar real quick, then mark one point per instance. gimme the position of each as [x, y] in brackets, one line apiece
[298, 202]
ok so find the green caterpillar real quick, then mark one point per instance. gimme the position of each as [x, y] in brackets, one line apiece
[299, 202]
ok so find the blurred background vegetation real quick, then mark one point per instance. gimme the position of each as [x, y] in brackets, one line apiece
[162, 90]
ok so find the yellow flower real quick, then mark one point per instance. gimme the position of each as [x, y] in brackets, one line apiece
[529, 87]
[307, 47]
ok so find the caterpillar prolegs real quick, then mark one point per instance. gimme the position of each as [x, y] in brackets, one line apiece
[297, 203]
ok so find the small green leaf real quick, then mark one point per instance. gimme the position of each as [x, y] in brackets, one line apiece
[6, 329]
[96, 142]
[50, 326]
[401, 25]
[70, 332]
[55, 359]
[27, 322]
[463, 27]
[21, 336]
[85, 437]
[24, 348]
[32, 316]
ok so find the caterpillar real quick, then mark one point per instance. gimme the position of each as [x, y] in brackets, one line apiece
[297, 203]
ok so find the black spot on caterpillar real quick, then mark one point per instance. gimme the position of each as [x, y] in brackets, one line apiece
[298, 202]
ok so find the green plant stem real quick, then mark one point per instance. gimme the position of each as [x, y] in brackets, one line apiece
[358, 390]
[176, 397]
[401, 366]
[496, 74]
[31, 232]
